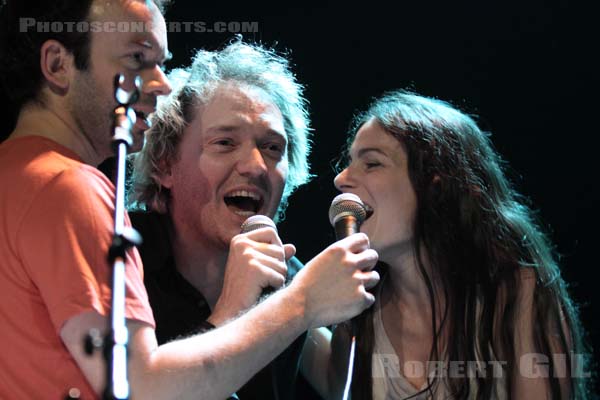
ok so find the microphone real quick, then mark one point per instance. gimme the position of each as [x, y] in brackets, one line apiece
[251, 224]
[346, 213]
[257, 222]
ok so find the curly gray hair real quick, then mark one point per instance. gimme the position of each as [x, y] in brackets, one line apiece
[194, 86]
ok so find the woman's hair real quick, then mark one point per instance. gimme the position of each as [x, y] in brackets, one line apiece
[478, 236]
[193, 87]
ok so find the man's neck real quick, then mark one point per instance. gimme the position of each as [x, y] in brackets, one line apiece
[202, 267]
[40, 120]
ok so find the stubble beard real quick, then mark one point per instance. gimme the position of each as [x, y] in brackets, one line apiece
[92, 107]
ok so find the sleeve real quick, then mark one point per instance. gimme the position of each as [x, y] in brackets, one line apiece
[63, 242]
[294, 266]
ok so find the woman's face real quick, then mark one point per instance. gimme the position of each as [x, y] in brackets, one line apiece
[378, 174]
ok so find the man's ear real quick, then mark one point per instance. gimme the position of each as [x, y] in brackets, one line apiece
[57, 65]
[166, 175]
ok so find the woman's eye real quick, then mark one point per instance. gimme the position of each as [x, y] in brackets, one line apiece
[372, 164]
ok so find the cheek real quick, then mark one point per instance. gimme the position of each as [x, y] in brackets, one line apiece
[191, 184]
[279, 177]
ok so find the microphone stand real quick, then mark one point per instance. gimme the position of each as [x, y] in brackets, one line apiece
[115, 342]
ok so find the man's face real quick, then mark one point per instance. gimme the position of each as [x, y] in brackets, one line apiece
[130, 53]
[232, 163]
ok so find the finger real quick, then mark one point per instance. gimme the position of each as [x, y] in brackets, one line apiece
[264, 235]
[271, 250]
[290, 251]
[369, 279]
[271, 278]
[367, 259]
[369, 298]
[356, 243]
[261, 261]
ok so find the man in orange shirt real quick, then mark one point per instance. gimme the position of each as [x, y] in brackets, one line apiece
[56, 220]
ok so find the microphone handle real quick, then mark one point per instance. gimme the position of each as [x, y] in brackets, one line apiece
[346, 226]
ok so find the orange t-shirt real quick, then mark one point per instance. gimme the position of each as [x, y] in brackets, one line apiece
[56, 223]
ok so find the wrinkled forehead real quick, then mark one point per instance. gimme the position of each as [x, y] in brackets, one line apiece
[232, 97]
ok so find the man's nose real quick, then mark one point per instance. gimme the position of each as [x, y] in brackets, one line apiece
[252, 163]
[156, 82]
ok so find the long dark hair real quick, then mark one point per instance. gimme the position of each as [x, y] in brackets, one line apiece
[478, 235]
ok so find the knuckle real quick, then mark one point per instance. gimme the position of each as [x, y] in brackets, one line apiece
[235, 241]
[240, 242]
[247, 251]
[281, 280]
[348, 261]
[254, 263]
[283, 266]
[271, 233]
[336, 248]
[373, 254]
[362, 238]
[280, 252]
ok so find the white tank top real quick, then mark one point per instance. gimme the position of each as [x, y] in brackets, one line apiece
[389, 379]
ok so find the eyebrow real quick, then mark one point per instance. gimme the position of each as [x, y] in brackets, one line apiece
[236, 128]
[365, 150]
[167, 56]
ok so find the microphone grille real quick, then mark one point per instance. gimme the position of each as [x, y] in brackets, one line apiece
[257, 222]
[347, 204]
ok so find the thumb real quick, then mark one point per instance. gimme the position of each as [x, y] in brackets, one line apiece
[289, 250]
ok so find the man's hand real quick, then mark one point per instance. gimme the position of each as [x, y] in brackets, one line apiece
[256, 262]
[334, 283]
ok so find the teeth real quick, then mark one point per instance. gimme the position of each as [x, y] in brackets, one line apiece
[245, 213]
[244, 193]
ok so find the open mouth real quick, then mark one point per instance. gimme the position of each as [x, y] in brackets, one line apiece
[243, 202]
[142, 120]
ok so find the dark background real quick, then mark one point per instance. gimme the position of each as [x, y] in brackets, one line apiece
[527, 70]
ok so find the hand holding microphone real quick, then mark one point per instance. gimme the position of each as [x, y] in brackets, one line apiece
[335, 282]
[256, 263]
[346, 214]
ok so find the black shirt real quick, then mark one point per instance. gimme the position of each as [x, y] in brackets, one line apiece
[181, 311]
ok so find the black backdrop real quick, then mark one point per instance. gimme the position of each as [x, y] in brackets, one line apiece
[528, 70]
